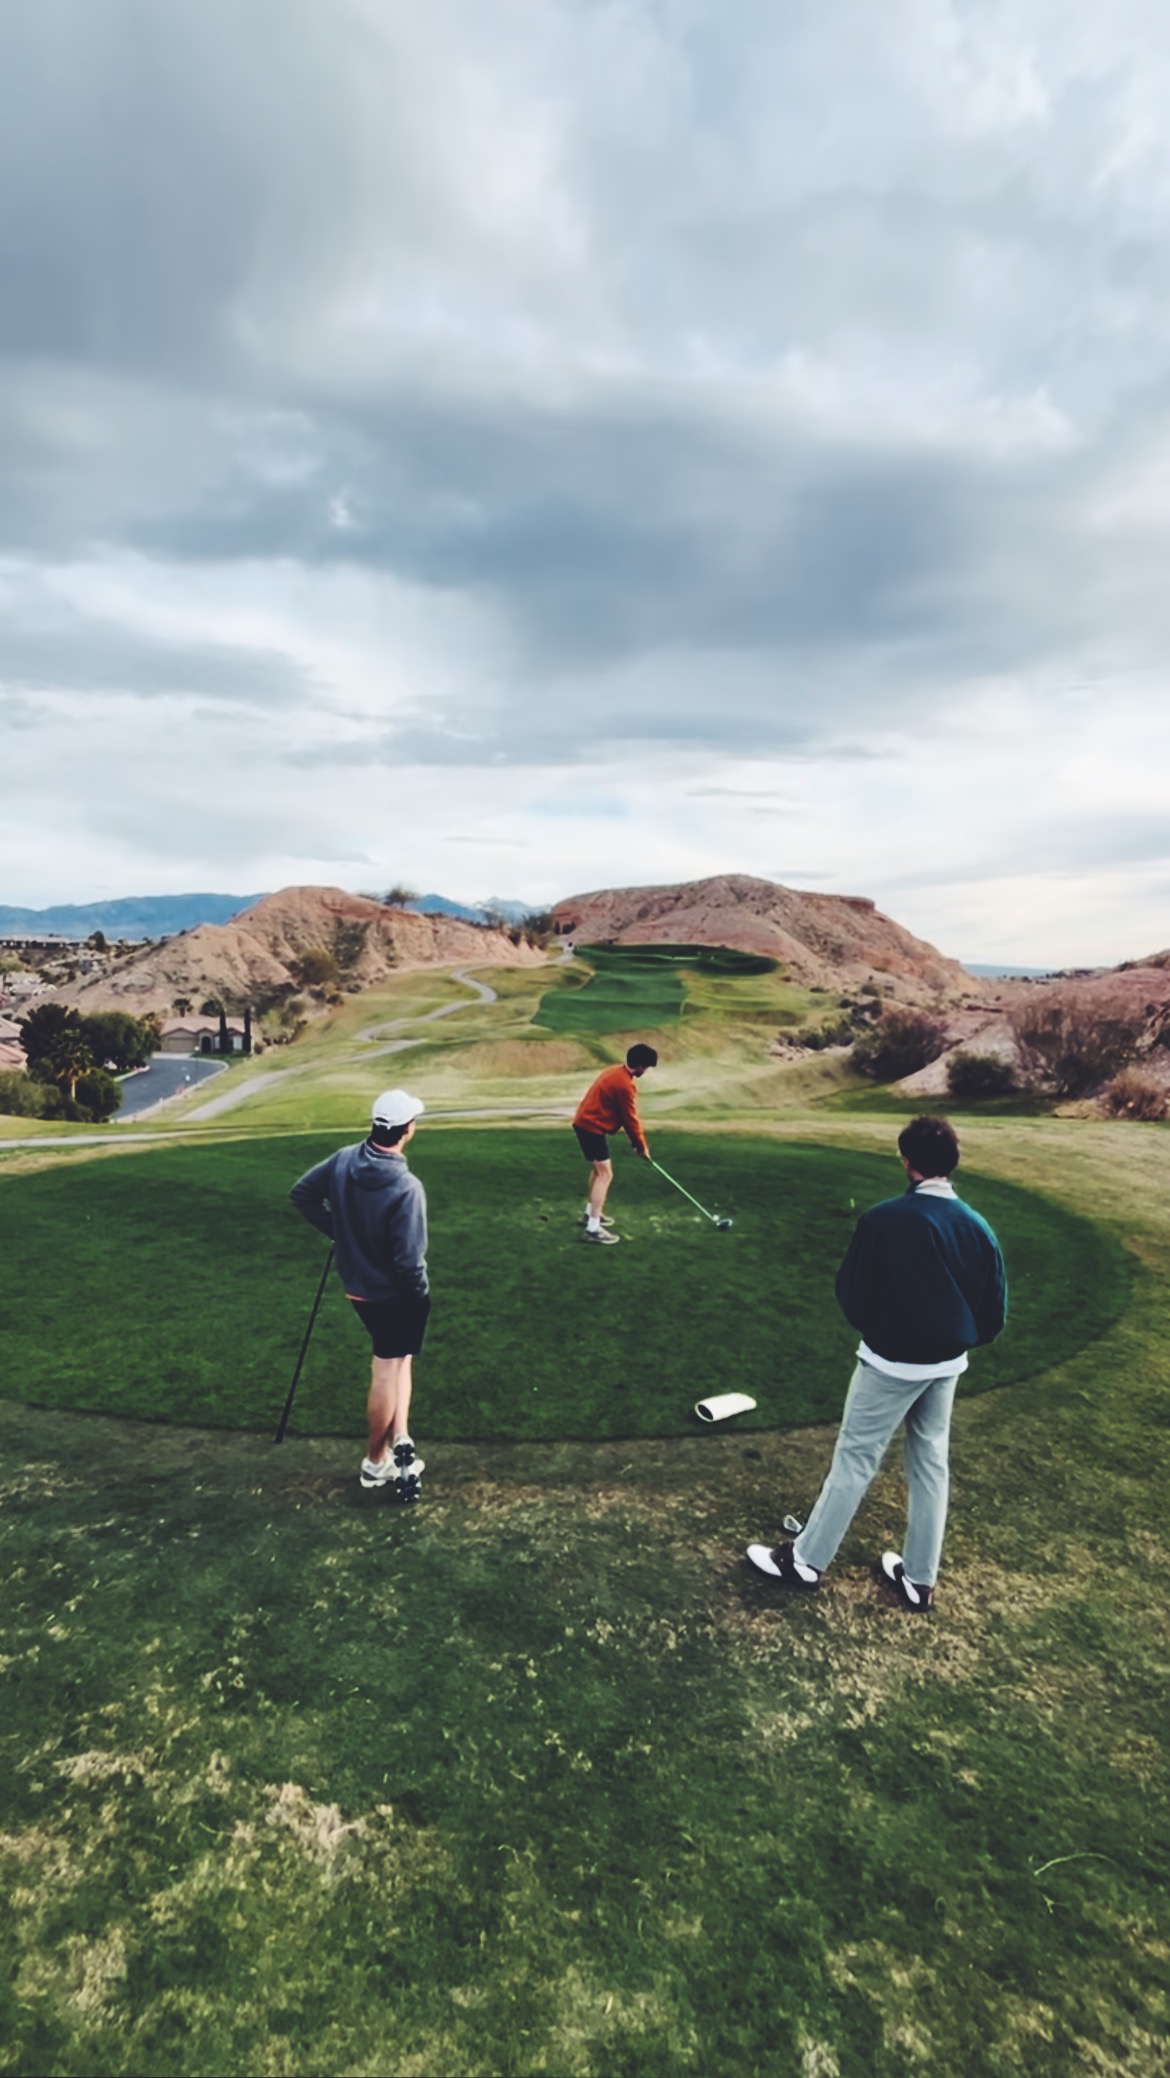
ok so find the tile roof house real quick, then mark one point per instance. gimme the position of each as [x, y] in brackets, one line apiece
[200, 1034]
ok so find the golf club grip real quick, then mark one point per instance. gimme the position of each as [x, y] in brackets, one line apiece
[286, 1411]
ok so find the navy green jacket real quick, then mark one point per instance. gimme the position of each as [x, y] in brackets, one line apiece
[923, 1279]
[375, 1213]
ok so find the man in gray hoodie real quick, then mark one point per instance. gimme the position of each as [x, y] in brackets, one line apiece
[374, 1211]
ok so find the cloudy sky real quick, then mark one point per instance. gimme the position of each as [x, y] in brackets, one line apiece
[523, 446]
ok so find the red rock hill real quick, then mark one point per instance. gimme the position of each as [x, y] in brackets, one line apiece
[824, 941]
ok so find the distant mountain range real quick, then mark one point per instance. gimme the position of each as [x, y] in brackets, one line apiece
[470, 912]
[992, 973]
[163, 916]
[134, 916]
[256, 957]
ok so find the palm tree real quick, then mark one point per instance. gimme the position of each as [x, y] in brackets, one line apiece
[71, 1059]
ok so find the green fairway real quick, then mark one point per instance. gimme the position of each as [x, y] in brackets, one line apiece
[627, 988]
[175, 1285]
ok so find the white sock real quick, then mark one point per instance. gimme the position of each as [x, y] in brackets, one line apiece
[806, 1572]
[592, 1224]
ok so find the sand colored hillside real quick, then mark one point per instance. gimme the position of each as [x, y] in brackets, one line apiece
[825, 941]
[1137, 994]
[254, 957]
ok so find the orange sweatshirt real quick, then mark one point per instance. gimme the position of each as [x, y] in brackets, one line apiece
[611, 1106]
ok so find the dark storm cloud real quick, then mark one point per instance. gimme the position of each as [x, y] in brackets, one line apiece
[86, 658]
[150, 158]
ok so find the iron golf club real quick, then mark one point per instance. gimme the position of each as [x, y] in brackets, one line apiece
[282, 1424]
[722, 1223]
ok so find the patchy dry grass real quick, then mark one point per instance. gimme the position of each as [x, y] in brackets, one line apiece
[536, 1778]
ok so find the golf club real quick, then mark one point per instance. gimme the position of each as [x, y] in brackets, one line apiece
[722, 1223]
[282, 1424]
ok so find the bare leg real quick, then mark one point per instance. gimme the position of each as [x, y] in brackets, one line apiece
[389, 1403]
[599, 1183]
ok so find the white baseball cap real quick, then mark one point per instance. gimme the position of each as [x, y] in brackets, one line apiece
[397, 1108]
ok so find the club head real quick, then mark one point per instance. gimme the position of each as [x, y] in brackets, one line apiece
[724, 1223]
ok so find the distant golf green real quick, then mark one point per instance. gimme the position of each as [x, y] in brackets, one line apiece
[175, 1285]
[624, 988]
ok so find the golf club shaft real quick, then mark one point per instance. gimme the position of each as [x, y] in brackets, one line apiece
[282, 1424]
[686, 1194]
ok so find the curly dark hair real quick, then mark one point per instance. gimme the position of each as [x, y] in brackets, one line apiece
[930, 1145]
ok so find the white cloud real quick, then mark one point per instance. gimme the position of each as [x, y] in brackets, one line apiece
[642, 439]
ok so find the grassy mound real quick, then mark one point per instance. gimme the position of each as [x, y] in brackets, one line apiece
[175, 1286]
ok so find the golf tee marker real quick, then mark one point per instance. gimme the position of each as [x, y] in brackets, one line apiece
[721, 1405]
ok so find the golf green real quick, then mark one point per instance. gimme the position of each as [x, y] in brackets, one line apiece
[176, 1285]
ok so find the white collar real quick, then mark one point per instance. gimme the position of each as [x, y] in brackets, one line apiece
[935, 1187]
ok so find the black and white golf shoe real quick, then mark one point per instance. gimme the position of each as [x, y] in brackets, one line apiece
[780, 1563]
[891, 1572]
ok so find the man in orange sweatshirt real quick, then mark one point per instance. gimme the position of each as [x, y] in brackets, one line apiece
[610, 1106]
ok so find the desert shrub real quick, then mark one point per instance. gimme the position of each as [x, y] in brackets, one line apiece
[1132, 1094]
[834, 1031]
[1074, 1045]
[980, 1075]
[899, 1044]
[349, 942]
[316, 967]
[539, 929]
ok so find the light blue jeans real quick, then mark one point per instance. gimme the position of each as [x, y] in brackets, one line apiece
[874, 1406]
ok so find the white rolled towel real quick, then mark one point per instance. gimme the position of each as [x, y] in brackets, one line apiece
[722, 1404]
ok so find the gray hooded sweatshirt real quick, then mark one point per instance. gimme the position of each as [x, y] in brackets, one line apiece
[375, 1213]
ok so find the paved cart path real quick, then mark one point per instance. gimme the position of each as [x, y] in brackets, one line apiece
[167, 1077]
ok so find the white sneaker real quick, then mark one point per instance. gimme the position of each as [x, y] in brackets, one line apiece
[372, 1475]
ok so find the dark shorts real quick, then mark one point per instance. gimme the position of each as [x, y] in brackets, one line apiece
[594, 1146]
[396, 1327]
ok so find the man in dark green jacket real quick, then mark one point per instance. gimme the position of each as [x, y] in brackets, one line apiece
[922, 1282]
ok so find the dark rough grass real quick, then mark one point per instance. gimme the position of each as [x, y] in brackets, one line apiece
[883, 1102]
[176, 1285]
[537, 1779]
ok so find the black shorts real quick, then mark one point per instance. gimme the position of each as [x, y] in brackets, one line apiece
[396, 1327]
[594, 1146]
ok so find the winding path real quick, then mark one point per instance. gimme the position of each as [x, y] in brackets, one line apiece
[482, 993]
